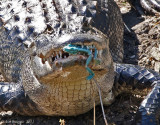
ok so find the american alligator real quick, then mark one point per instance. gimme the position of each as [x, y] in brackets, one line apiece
[42, 79]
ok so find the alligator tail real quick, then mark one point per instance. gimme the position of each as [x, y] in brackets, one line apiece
[13, 98]
[137, 78]
[132, 78]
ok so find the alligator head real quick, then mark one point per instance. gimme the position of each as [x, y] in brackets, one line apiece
[59, 77]
[56, 80]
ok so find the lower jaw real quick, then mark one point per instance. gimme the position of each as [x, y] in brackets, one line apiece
[70, 93]
[72, 98]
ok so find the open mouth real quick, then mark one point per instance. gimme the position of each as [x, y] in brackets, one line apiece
[59, 57]
[56, 63]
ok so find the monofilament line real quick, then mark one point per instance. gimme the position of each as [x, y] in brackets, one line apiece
[94, 115]
[100, 96]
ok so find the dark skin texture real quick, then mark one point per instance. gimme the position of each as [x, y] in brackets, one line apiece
[30, 50]
[151, 7]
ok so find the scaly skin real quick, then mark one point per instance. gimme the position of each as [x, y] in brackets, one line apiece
[146, 6]
[41, 79]
[139, 80]
[33, 32]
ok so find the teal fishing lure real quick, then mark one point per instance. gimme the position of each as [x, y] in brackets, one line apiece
[75, 49]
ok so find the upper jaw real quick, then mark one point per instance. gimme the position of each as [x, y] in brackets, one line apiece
[86, 39]
[79, 39]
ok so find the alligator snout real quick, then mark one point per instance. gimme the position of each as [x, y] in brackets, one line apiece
[72, 57]
[54, 54]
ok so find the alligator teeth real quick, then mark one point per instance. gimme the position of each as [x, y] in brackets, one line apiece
[43, 60]
[53, 54]
[50, 59]
[100, 53]
[60, 53]
[65, 57]
[97, 53]
[57, 55]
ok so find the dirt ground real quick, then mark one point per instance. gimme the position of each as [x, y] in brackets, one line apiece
[141, 35]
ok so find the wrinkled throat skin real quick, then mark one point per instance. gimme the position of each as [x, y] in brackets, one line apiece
[52, 78]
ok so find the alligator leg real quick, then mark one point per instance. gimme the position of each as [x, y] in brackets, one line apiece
[140, 78]
[13, 98]
[149, 6]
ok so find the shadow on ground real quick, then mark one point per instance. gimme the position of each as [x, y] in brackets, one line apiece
[131, 42]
